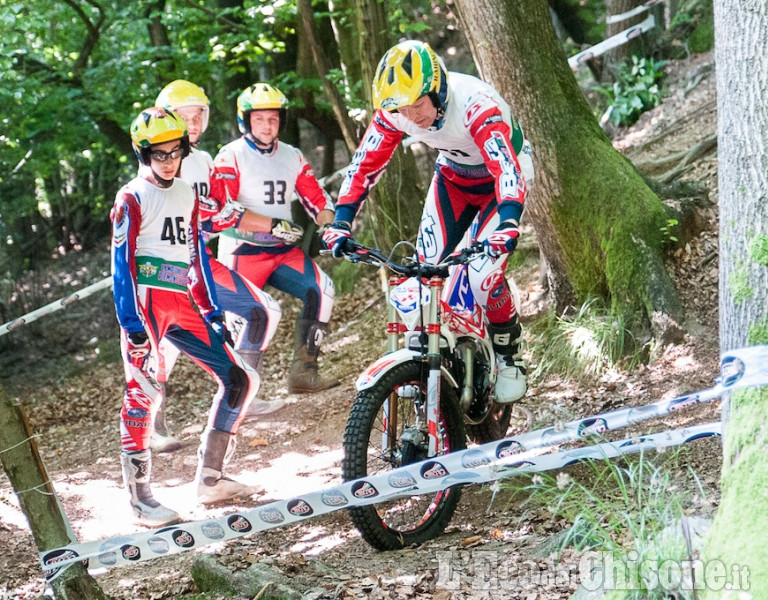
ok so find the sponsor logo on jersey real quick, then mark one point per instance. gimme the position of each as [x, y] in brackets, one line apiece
[239, 524]
[363, 489]
[147, 269]
[299, 507]
[433, 470]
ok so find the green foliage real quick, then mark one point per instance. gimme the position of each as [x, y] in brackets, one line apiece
[636, 89]
[585, 344]
[627, 509]
[667, 231]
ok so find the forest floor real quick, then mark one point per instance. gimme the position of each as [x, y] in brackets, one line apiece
[70, 385]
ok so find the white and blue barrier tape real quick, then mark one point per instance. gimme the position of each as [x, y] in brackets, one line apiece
[741, 368]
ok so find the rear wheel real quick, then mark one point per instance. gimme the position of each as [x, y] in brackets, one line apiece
[387, 429]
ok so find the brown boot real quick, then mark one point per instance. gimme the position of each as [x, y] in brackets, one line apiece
[303, 377]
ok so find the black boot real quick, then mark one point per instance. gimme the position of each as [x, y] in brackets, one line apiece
[303, 376]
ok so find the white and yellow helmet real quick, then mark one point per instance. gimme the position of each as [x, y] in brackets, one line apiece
[182, 93]
[408, 71]
[155, 126]
[259, 96]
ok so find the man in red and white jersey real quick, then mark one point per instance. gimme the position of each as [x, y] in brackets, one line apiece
[259, 313]
[261, 174]
[483, 173]
[157, 260]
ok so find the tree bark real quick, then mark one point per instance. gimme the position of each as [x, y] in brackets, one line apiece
[394, 207]
[22, 463]
[741, 46]
[598, 223]
[614, 58]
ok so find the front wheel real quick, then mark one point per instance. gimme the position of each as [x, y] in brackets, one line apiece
[387, 429]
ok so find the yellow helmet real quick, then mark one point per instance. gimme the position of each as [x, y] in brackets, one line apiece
[408, 71]
[259, 96]
[181, 93]
[155, 126]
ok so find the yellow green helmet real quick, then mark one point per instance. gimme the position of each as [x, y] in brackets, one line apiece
[181, 93]
[408, 71]
[155, 126]
[259, 96]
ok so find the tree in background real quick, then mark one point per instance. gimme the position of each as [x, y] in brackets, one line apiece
[737, 537]
[599, 225]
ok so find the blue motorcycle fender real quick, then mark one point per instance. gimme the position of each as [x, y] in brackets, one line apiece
[381, 366]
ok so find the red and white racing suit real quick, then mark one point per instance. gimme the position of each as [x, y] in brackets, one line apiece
[259, 312]
[157, 258]
[265, 183]
[483, 172]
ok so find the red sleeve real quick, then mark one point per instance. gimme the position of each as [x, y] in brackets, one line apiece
[311, 195]
[126, 224]
[493, 136]
[220, 211]
[368, 163]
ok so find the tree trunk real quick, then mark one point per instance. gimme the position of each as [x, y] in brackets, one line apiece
[599, 225]
[614, 58]
[22, 463]
[741, 46]
[394, 207]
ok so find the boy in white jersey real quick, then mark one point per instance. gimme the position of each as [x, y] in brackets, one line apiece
[157, 259]
[258, 311]
[482, 176]
[261, 174]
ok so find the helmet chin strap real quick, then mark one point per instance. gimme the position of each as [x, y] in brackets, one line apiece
[261, 145]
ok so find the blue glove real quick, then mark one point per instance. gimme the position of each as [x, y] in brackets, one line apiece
[502, 240]
[217, 324]
[138, 349]
[336, 236]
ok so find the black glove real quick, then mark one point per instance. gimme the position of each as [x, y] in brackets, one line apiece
[287, 231]
[217, 324]
[138, 349]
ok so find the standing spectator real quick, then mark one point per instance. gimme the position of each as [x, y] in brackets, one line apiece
[259, 312]
[483, 172]
[262, 174]
[157, 258]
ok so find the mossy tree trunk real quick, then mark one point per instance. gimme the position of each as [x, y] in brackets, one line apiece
[22, 463]
[741, 46]
[599, 225]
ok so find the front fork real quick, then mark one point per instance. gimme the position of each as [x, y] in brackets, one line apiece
[434, 360]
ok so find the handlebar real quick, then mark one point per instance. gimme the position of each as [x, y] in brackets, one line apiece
[411, 267]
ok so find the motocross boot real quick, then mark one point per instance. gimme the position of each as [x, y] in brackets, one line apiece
[162, 439]
[258, 408]
[214, 452]
[137, 468]
[511, 378]
[303, 376]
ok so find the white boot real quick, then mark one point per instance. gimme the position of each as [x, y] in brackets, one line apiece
[258, 408]
[511, 377]
[215, 449]
[137, 468]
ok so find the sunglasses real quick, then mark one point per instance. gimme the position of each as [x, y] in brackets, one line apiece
[162, 157]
